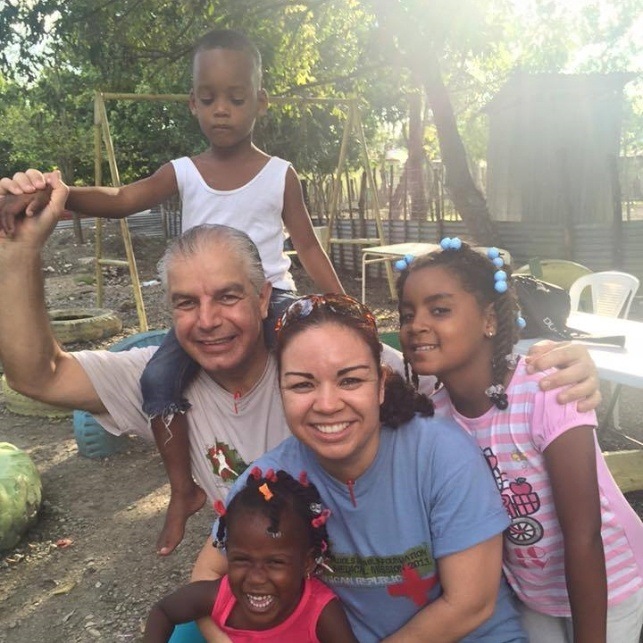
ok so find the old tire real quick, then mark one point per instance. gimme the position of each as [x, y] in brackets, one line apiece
[84, 324]
[91, 438]
[23, 405]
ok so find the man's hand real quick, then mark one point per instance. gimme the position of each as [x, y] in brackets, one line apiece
[20, 185]
[575, 369]
[12, 207]
[41, 210]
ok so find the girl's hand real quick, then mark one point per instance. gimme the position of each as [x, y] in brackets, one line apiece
[26, 182]
[576, 370]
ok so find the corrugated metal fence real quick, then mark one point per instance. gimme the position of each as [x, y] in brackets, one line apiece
[592, 244]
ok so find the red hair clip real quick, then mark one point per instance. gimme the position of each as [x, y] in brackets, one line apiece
[219, 507]
[270, 475]
[303, 479]
[321, 519]
[255, 472]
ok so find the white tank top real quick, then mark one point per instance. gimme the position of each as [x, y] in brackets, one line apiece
[255, 208]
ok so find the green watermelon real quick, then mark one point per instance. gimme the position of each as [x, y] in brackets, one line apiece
[20, 494]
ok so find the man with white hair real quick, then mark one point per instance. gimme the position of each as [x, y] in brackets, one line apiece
[219, 297]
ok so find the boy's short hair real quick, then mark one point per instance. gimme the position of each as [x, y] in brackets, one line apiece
[229, 39]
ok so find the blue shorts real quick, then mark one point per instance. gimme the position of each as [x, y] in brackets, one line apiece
[187, 633]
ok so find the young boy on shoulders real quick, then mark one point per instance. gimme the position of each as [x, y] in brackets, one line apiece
[232, 183]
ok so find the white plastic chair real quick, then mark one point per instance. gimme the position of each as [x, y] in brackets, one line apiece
[612, 293]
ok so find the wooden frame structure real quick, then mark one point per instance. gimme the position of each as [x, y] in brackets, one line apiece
[102, 136]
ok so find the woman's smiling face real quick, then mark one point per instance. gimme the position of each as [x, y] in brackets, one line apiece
[332, 389]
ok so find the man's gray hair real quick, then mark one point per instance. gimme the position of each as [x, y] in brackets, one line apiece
[201, 238]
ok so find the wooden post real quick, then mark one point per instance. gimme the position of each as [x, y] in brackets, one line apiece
[376, 201]
[125, 233]
[334, 200]
[626, 468]
[98, 180]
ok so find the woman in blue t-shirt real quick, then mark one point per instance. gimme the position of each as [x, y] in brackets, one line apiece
[417, 524]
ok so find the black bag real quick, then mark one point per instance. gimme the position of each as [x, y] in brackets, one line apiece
[545, 308]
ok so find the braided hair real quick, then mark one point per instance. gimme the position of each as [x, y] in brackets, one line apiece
[271, 494]
[476, 274]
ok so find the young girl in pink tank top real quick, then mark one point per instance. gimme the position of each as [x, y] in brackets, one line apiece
[275, 539]
[574, 550]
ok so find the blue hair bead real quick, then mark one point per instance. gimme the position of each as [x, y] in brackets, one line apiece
[493, 253]
[500, 275]
[404, 262]
[501, 286]
[498, 262]
[520, 322]
[449, 243]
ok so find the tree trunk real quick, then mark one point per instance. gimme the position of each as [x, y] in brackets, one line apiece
[399, 193]
[467, 198]
[413, 51]
[415, 162]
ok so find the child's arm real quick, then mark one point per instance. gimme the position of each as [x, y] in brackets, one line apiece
[297, 221]
[107, 202]
[210, 564]
[186, 604]
[571, 464]
[333, 626]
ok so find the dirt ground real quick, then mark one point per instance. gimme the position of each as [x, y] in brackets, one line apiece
[88, 571]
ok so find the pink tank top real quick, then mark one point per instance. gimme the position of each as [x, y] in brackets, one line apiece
[299, 627]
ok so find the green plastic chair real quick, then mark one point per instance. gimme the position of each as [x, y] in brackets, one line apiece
[392, 339]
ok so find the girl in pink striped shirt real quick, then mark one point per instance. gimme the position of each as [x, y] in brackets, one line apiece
[574, 551]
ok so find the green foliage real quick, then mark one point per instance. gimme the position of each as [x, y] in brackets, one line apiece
[375, 49]
[47, 126]
[148, 134]
[20, 494]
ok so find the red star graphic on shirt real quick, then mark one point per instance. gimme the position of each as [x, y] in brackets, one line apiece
[412, 586]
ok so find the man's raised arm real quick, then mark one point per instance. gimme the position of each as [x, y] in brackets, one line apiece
[33, 362]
